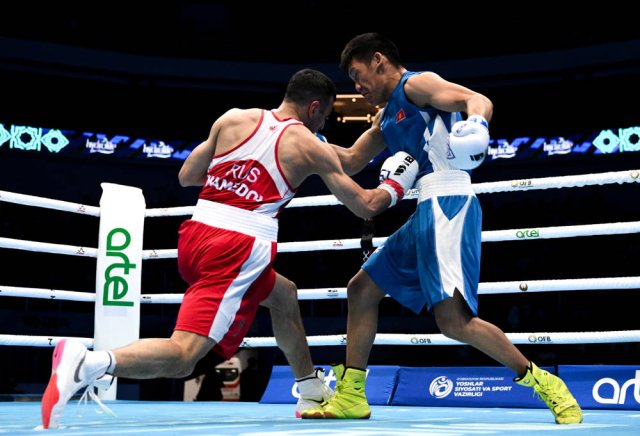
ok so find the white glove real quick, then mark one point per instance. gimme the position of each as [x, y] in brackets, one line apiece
[397, 175]
[468, 143]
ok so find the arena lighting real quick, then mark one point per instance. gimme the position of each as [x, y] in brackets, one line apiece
[43, 140]
[349, 108]
[353, 108]
[366, 118]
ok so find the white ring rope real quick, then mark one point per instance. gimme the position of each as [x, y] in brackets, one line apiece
[65, 206]
[440, 339]
[487, 288]
[47, 294]
[627, 176]
[348, 244]
[169, 211]
[630, 176]
[46, 247]
[39, 341]
[533, 338]
[487, 236]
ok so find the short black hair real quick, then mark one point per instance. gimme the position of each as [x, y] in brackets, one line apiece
[362, 48]
[307, 85]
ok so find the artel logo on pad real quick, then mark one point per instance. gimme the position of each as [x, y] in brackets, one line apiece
[116, 285]
[608, 391]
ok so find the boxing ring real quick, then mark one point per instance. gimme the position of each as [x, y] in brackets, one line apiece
[250, 419]
[272, 419]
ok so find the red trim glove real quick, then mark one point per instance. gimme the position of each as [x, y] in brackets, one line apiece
[397, 175]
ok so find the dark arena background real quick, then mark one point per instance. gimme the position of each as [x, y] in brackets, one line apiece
[565, 90]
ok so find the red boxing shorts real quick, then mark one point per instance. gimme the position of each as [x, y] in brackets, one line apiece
[229, 274]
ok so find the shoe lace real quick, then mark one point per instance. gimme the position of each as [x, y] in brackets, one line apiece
[90, 395]
[554, 396]
[336, 391]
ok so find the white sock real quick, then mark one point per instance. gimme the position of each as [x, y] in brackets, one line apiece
[312, 387]
[99, 363]
[312, 375]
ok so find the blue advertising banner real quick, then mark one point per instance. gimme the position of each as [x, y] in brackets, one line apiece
[603, 387]
[282, 388]
[462, 386]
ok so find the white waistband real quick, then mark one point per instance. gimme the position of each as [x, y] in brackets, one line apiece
[444, 183]
[233, 218]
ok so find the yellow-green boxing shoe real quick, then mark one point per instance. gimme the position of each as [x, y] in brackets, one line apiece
[554, 393]
[349, 402]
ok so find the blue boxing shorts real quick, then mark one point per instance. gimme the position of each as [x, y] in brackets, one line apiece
[436, 251]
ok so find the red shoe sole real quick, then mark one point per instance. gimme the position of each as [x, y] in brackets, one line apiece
[51, 394]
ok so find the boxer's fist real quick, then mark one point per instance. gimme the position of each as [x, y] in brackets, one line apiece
[397, 175]
[468, 143]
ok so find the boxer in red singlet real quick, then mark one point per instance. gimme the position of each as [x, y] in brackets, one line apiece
[249, 168]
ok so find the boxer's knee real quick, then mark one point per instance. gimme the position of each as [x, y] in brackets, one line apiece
[361, 290]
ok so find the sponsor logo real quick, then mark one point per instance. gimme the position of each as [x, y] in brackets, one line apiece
[526, 183]
[539, 339]
[528, 233]
[476, 157]
[159, 149]
[384, 175]
[332, 293]
[420, 341]
[76, 374]
[408, 159]
[412, 192]
[450, 154]
[400, 169]
[558, 146]
[504, 150]
[614, 393]
[116, 286]
[103, 146]
[440, 387]
[466, 387]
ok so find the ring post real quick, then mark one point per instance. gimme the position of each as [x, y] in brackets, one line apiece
[118, 271]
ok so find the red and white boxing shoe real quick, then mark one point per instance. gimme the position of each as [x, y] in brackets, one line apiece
[68, 376]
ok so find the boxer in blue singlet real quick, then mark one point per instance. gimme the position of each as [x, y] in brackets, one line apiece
[433, 260]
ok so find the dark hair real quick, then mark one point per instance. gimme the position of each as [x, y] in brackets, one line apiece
[362, 48]
[308, 85]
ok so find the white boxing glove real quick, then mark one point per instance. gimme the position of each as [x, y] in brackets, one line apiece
[397, 175]
[468, 143]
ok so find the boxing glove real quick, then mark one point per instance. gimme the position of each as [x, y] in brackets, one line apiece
[397, 175]
[321, 137]
[468, 143]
